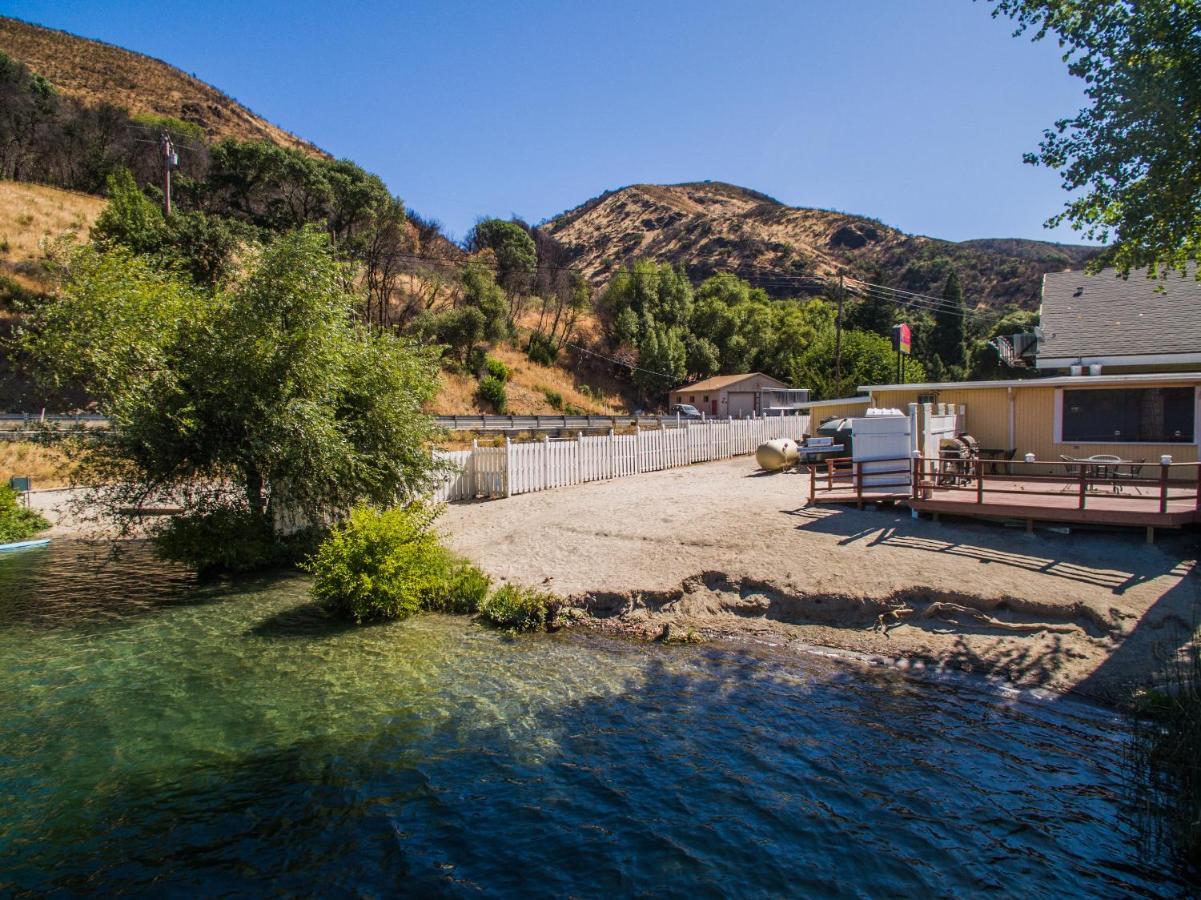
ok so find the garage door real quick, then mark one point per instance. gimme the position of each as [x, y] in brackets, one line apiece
[742, 403]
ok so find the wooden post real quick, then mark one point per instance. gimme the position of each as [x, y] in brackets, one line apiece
[813, 481]
[858, 470]
[1150, 534]
[1083, 483]
[1163, 487]
[1197, 499]
[508, 466]
[979, 463]
[473, 478]
[917, 476]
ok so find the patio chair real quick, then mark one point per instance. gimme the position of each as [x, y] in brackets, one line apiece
[1133, 470]
[1073, 468]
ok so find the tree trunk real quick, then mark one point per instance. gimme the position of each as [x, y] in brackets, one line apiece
[254, 490]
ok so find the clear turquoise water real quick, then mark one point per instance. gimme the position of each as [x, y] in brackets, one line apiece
[163, 738]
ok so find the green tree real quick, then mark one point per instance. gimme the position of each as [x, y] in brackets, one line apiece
[867, 358]
[265, 396]
[1132, 159]
[661, 293]
[948, 338]
[129, 219]
[516, 255]
[662, 362]
[481, 292]
[460, 330]
[873, 313]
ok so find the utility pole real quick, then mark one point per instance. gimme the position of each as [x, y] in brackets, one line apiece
[838, 340]
[170, 161]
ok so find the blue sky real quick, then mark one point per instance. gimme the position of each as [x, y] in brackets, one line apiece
[916, 112]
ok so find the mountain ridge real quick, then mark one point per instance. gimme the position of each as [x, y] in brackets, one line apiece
[712, 226]
[95, 72]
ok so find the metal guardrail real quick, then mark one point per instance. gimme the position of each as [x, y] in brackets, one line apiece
[29, 423]
[563, 422]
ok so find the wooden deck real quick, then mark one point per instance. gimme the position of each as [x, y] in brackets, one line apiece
[1166, 504]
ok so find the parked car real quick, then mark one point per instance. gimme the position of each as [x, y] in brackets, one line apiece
[686, 411]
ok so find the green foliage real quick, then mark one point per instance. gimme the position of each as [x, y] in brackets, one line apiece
[866, 359]
[492, 392]
[495, 368]
[662, 361]
[230, 539]
[873, 313]
[554, 398]
[459, 330]
[660, 293]
[14, 295]
[267, 389]
[1131, 160]
[516, 255]
[948, 340]
[199, 245]
[381, 565]
[483, 294]
[129, 219]
[177, 128]
[461, 588]
[541, 349]
[516, 608]
[16, 522]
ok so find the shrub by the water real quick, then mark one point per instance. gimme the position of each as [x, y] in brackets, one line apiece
[381, 565]
[16, 522]
[462, 589]
[229, 539]
[517, 608]
[492, 392]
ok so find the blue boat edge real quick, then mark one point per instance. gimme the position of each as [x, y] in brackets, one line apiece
[24, 545]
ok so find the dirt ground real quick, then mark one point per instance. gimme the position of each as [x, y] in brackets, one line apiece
[720, 550]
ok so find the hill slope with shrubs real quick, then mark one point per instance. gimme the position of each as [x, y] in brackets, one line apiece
[712, 227]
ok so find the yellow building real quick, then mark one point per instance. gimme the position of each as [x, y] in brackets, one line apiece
[1137, 416]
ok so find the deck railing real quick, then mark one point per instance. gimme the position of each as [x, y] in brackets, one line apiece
[1169, 484]
[1180, 482]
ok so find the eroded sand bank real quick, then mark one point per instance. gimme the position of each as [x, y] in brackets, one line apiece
[723, 550]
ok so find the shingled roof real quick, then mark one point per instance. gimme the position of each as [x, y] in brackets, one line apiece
[717, 382]
[1103, 318]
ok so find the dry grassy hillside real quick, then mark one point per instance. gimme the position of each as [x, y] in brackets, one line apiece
[95, 72]
[710, 227]
[32, 213]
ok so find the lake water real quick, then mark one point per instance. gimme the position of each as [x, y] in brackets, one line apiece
[160, 737]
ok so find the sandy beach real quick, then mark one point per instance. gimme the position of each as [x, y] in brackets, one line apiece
[730, 552]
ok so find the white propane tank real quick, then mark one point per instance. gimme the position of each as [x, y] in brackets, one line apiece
[776, 454]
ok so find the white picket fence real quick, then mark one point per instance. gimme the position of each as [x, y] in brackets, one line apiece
[521, 468]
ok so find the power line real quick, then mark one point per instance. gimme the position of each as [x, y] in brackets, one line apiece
[619, 362]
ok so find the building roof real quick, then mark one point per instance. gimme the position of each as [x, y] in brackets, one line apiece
[1093, 318]
[718, 382]
[1060, 381]
[837, 401]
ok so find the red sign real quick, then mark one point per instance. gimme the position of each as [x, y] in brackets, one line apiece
[901, 340]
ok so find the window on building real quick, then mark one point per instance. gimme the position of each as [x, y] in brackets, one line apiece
[706, 398]
[1129, 415]
[927, 398]
[692, 398]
